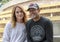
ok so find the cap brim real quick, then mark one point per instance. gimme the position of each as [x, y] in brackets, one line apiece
[31, 8]
[28, 9]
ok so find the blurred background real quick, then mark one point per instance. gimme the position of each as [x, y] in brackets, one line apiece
[49, 9]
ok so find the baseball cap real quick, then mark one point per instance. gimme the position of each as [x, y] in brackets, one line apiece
[33, 5]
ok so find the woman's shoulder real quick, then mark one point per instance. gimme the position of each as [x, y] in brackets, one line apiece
[8, 25]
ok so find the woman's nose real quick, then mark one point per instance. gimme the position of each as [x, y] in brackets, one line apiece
[19, 13]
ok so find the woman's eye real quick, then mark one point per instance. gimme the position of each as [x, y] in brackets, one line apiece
[19, 12]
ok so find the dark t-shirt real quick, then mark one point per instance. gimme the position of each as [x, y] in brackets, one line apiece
[39, 31]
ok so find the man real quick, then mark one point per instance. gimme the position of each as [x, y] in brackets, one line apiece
[39, 29]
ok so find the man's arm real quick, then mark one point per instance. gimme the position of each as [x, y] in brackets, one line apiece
[27, 30]
[49, 31]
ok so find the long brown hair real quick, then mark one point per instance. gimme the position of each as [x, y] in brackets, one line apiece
[14, 17]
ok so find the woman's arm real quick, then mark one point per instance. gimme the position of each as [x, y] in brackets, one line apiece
[6, 34]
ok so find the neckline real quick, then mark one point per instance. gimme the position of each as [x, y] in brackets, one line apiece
[19, 23]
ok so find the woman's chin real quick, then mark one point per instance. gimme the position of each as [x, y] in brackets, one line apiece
[20, 18]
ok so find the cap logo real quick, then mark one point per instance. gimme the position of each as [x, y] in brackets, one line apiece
[31, 4]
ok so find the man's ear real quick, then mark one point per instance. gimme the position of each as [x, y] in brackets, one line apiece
[39, 9]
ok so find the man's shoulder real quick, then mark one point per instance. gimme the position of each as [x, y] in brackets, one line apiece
[45, 19]
[29, 21]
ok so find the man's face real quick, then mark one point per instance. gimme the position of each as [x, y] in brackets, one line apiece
[33, 12]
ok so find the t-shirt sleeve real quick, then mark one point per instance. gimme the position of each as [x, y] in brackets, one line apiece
[49, 31]
[6, 34]
[27, 30]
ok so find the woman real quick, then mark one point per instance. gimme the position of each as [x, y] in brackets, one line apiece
[15, 30]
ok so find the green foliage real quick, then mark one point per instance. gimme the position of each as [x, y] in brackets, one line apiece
[4, 1]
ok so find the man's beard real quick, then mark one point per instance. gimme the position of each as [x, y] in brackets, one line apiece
[33, 16]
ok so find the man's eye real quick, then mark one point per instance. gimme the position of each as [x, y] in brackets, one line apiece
[17, 12]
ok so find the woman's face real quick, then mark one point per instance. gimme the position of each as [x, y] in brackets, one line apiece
[19, 14]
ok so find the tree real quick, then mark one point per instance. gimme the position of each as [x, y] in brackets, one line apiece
[2, 2]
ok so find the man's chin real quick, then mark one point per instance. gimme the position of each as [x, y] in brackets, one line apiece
[33, 17]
